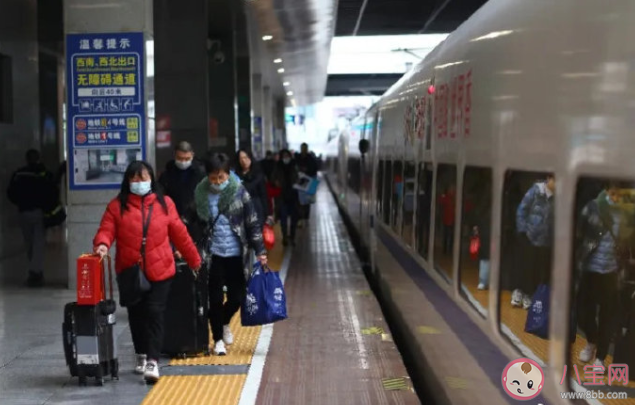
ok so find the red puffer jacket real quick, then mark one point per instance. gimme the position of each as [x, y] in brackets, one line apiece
[127, 231]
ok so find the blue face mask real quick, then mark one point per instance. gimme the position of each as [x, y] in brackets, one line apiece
[141, 188]
[219, 187]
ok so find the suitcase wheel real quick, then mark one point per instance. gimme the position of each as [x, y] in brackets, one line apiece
[99, 382]
[207, 352]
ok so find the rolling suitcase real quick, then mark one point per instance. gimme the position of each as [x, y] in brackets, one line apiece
[186, 327]
[88, 335]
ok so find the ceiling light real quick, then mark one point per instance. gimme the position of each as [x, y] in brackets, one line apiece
[281, 70]
[289, 93]
[286, 84]
[267, 38]
[277, 60]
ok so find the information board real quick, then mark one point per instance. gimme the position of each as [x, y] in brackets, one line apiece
[106, 115]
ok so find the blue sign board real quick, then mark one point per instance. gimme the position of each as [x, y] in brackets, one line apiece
[106, 116]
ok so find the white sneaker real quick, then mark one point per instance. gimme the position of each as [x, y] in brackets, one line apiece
[482, 287]
[599, 365]
[151, 374]
[228, 337]
[587, 353]
[142, 360]
[219, 348]
[526, 302]
[517, 297]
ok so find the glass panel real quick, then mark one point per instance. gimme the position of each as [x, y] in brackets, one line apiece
[379, 184]
[445, 219]
[388, 190]
[397, 195]
[475, 236]
[408, 202]
[603, 300]
[526, 258]
[424, 206]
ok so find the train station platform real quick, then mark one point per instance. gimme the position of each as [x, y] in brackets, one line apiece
[335, 347]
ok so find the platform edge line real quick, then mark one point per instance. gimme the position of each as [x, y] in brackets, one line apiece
[256, 369]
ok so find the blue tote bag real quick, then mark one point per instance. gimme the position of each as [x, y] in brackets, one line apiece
[538, 315]
[265, 301]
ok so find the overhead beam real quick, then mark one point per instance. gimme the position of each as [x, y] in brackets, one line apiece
[360, 84]
[434, 15]
[362, 9]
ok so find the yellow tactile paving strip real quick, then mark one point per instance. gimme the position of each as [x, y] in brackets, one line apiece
[215, 389]
[240, 352]
[197, 390]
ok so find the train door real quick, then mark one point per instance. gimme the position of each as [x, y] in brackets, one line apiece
[366, 180]
[373, 178]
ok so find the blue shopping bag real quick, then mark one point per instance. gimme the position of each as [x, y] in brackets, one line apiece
[538, 315]
[265, 301]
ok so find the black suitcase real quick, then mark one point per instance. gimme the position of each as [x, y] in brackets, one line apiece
[88, 337]
[186, 328]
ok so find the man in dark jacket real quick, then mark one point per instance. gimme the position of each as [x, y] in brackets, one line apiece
[307, 164]
[179, 180]
[33, 190]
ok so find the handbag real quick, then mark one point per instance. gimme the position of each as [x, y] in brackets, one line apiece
[132, 281]
[268, 236]
[265, 301]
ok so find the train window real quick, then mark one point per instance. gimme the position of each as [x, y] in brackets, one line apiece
[409, 182]
[424, 206]
[445, 219]
[387, 192]
[397, 195]
[602, 331]
[526, 258]
[475, 236]
[379, 182]
[6, 89]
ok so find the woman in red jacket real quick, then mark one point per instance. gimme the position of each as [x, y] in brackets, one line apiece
[140, 204]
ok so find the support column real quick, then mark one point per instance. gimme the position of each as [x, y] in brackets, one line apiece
[267, 119]
[223, 101]
[114, 38]
[257, 144]
[243, 79]
[279, 124]
[181, 63]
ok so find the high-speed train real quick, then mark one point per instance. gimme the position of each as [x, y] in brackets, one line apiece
[442, 176]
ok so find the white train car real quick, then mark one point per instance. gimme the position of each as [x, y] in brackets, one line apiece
[522, 91]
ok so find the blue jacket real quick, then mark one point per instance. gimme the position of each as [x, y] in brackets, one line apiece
[224, 242]
[534, 216]
[598, 216]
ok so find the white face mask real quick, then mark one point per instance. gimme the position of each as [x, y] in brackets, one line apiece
[141, 188]
[183, 165]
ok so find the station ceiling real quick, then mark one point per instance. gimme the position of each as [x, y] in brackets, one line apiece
[392, 17]
[399, 17]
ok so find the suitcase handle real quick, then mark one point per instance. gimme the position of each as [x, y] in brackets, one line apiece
[109, 271]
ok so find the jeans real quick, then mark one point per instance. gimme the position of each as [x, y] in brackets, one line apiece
[146, 319]
[225, 271]
[32, 223]
[287, 210]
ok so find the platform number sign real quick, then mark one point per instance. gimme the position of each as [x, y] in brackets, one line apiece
[106, 118]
